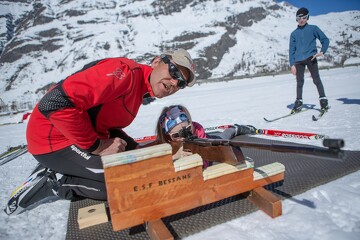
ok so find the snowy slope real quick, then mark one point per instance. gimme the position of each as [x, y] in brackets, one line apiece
[333, 210]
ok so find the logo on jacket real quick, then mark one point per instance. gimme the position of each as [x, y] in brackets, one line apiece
[118, 73]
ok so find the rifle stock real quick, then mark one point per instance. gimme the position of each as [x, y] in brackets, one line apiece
[219, 153]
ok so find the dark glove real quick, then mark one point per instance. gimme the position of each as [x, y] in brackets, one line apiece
[244, 129]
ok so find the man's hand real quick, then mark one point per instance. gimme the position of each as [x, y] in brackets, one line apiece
[110, 146]
[181, 153]
[319, 54]
[293, 69]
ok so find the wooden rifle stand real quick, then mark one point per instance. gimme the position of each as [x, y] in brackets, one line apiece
[145, 185]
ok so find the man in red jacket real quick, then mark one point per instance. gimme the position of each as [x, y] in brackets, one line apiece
[81, 119]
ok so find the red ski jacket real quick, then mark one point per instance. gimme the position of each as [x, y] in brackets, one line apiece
[81, 109]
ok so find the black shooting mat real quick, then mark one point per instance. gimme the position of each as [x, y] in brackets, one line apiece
[302, 172]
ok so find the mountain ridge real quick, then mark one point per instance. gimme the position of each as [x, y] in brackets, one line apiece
[43, 42]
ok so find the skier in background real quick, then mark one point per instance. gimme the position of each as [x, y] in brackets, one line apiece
[303, 53]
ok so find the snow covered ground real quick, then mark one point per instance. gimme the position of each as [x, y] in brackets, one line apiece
[333, 211]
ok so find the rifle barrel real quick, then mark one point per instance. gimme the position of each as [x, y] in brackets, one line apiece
[332, 152]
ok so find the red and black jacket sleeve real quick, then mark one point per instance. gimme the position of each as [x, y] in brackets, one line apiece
[66, 105]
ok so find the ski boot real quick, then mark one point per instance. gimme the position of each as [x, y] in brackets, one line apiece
[297, 106]
[324, 104]
[40, 186]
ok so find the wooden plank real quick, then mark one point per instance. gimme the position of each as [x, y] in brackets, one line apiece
[266, 201]
[158, 231]
[187, 162]
[135, 155]
[268, 170]
[92, 215]
[222, 169]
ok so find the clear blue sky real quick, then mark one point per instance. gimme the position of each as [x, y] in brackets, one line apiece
[317, 7]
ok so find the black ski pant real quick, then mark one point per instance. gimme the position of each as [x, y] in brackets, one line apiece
[314, 71]
[83, 172]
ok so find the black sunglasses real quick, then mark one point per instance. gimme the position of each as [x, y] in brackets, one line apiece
[174, 72]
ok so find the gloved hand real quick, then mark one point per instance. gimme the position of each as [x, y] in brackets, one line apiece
[245, 129]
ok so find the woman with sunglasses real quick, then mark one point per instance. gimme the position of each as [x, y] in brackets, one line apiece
[176, 120]
[303, 53]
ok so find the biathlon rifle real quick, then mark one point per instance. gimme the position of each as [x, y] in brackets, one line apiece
[229, 151]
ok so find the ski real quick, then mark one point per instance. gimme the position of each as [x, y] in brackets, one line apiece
[145, 139]
[291, 134]
[217, 128]
[287, 115]
[9, 123]
[322, 112]
[12, 153]
[11, 150]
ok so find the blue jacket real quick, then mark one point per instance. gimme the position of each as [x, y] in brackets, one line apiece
[303, 43]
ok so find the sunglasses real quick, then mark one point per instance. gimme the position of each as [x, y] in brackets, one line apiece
[174, 72]
[176, 135]
[303, 17]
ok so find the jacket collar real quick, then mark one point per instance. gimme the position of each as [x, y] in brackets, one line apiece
[301, 27]
[147, 70]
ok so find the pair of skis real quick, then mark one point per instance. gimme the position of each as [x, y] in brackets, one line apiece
[314, 117]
